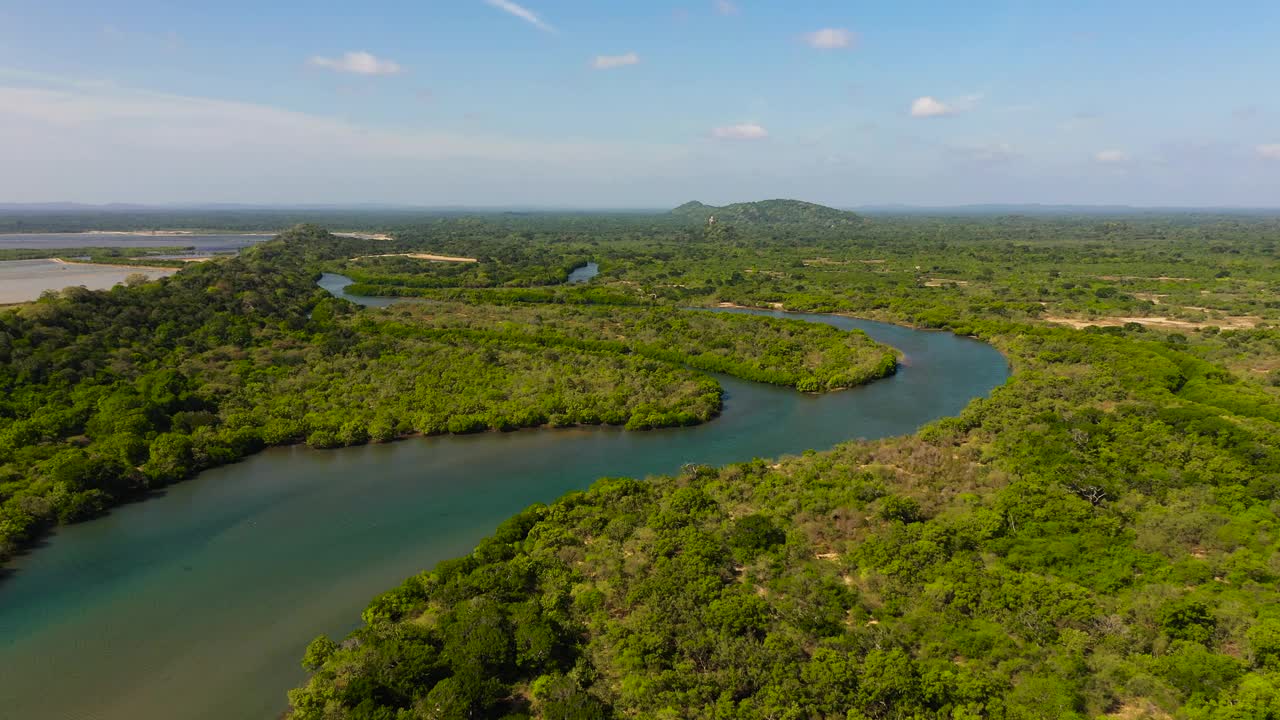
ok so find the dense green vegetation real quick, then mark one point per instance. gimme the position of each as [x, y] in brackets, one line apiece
[105, 396]
[1099, 538]
[94, 254]
[514, 267]
[782, 352]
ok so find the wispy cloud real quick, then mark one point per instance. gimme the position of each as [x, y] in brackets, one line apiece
[608, 62]
[929, 106]
[1112, 157]
[523, 13]
[1269, 152]
[986, 154]
[741, 131]
[725, 7]
[831, 39]
[272, 154]
[358, 63]
[1080, 121]
[168, 40]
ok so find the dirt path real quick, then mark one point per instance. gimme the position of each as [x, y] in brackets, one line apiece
[423, 256]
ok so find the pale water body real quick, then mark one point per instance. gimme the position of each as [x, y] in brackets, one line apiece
[197, 605]
[210, 242]
[24, 280]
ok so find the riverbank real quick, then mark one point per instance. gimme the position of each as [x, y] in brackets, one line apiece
[252, 549]
[126, 266]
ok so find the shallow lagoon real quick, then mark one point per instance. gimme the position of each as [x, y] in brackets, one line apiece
[204, 242]
[24, 280]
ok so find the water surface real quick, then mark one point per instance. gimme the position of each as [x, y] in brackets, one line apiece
[197, 605]
[583, 274]
[203, 242]
[24, 280]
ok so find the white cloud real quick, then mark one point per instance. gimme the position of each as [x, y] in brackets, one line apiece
[1269, 152]
[831, 39]
[741, 131]
[358, 63]
[521, 12]
[1112, 157]
[725, 7]
[264, 154]
[608, 62]
[929, 106]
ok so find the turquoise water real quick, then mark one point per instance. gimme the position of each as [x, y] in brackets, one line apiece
[197, 605]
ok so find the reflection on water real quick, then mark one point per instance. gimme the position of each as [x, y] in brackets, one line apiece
[197, 605]
[583, 274]
[24, 280]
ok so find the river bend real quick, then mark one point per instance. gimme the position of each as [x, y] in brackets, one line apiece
[197, 605]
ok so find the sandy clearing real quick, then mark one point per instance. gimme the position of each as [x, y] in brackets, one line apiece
[939, 282]
[1237, 322]
[422, 256]
[1162, 278]
[363, 236]
[736, 306]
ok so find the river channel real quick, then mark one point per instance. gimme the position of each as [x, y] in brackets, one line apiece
[197, 605]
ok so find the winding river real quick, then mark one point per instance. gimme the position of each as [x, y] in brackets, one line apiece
[197, 605]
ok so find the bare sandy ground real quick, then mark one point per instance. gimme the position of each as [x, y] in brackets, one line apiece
[423, 256]
[774, 306]
[1234, 322]
[1162, 278]
[364, 236]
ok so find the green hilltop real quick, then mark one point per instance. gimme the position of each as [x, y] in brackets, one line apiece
[768, 212]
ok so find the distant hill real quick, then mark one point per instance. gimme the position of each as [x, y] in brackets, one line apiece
[768, 212]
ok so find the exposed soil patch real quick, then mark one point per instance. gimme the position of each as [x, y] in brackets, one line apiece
[1237, 322]
[422, 256]
[1162, 278]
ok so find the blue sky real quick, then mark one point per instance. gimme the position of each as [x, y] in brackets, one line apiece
[640, 104]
